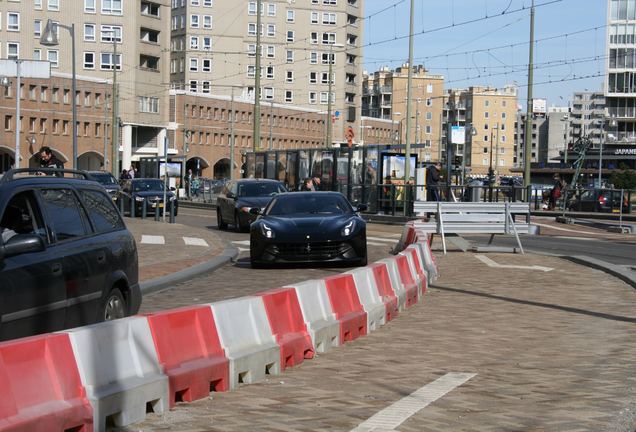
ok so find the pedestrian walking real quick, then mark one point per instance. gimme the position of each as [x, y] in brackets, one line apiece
[433, 176]
[48, 159]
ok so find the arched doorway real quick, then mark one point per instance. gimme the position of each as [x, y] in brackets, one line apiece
[222, 169]
[34, 161]
[198, 166]
[7, 159]
[90, 161]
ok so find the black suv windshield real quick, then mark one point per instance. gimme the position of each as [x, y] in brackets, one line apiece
[256, 189]
[147, 185]
[310, 204]
[106, 179]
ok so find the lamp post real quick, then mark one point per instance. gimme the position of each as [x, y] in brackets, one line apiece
[49, 38]
[473, 132]
[565, 120]
[329, 98]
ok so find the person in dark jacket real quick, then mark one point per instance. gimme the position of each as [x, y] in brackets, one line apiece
[48, 159]
[432, 182]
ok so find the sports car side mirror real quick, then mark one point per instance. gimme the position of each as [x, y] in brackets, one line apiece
[361, 208]
[255, 211]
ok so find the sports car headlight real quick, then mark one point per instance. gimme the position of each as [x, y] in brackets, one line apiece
[139, 199]
[245, 209]
[348, 228]
[267, 231]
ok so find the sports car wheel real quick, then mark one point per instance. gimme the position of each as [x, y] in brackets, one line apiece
[219, 220]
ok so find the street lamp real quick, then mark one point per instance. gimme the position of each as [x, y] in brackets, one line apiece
[329, 98]
[49, 38]
[565, 120]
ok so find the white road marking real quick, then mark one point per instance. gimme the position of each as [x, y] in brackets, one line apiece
[490, 263]
[243, 249]
[565, 229]
[150, 239]
[376, 244]
[242, 242]
[195, 241]
[576, 238]
[392, 416]
[382, 239]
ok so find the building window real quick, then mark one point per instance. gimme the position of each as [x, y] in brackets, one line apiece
[13, 50]
[107, 63]
[89, 60]
[108, 33]
[486, 114]
[429, 88]
[251, 29]
[289, 77]
[37, 54]
[251, 71]
[329, 18]
[37, 4]
[314, 17]
[290, 35]
[53, 56]
[313, 97]
[194, 21]
[206, 65]
[13, 21]
[194, 43]
[251, 50]
[89, 6]
[89, 32]
[313, 57]
[111, 7]
[148, 104]
[193, 85]
[205, 88]
[291, 16]
[194, 65]
[271, 9]
[207, 21]
[271, 51]
[290, 56]
[313, 37]
[7, 122]
[37, 28]
[268, 93]
[269, 72]
[429, 116]
[289, 96]
[324, 78]
[252, 8]
[313, 77]
[328, 38]
[207, 43]
[53, 5]
[428, 130]
[271, 30]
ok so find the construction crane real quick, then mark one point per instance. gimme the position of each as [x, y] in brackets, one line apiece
[581, 146]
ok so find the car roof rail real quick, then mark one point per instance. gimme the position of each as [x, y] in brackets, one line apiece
[58, 172]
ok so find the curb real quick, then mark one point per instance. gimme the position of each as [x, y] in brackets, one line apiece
[629, 277]
[164, 282]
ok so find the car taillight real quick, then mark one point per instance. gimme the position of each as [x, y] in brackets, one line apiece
[602, 200]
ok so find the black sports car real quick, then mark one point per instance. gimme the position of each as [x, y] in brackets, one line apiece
[304, 227]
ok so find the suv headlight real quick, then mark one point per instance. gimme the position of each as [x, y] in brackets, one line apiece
[348, 228]
[139, 199]
[267, 231]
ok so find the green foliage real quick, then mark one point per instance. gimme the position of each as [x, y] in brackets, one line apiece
[625, 179]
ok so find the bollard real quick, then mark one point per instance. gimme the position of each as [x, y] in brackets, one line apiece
[144, 208]
[120, 200]
[132, 206]
[158, 210]
[172, 218]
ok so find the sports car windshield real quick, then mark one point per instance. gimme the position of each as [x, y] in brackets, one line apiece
[306, 204]
[147, 185]
[250, 189]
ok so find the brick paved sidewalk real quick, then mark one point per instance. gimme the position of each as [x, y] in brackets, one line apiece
[157, 260]
[552, 351]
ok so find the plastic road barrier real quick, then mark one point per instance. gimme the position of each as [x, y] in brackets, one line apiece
[383, 284]
[41, 387]
[119, 368]
[286, 320]
[370, 297]
[321, 322]
[408, 279]
[417, 261]
[347, 307]
[190, 352]
[247, 339]
[396, 281]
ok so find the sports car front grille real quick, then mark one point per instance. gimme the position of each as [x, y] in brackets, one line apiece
[309, 251]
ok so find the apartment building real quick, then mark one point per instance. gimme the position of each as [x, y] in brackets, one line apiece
[492, 113]
[141, 65]
[587, 118]
[208, 123]
[213, 50]
[384, 96]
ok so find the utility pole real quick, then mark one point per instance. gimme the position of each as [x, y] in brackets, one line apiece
[232, 136]
[105, 132]
[115, 121]
[18, 123]
[527, 147]
[409, 90]
[329, 99]
[256, 133]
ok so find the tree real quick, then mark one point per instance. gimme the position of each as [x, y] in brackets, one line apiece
[625, 179]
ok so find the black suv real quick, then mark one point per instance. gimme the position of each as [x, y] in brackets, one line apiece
[66, 257]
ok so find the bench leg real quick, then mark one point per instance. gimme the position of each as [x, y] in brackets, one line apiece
[492, 237]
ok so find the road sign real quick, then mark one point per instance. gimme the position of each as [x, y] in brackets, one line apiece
[28, 68]
[337, 114]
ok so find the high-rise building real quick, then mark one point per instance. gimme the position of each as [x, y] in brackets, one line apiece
[213, 50]
[587, 117]
[620, 84]
[384, 97]
[142, 70]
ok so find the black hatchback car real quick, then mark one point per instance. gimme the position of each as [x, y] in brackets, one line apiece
[66, 257]
[238, 197]
[108, 181]
[149, 191]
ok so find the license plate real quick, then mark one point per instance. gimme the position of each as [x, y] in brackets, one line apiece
[155, 205]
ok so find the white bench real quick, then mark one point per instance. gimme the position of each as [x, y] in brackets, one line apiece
[472, 218]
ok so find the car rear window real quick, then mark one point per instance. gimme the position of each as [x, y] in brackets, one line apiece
[256, 189]
[101, 211]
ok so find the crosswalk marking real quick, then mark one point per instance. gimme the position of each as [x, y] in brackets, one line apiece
[151, 239]
[381, 239]
[394, 415]
[195, 241]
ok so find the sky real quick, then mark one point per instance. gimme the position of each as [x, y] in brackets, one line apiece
[485, 43]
